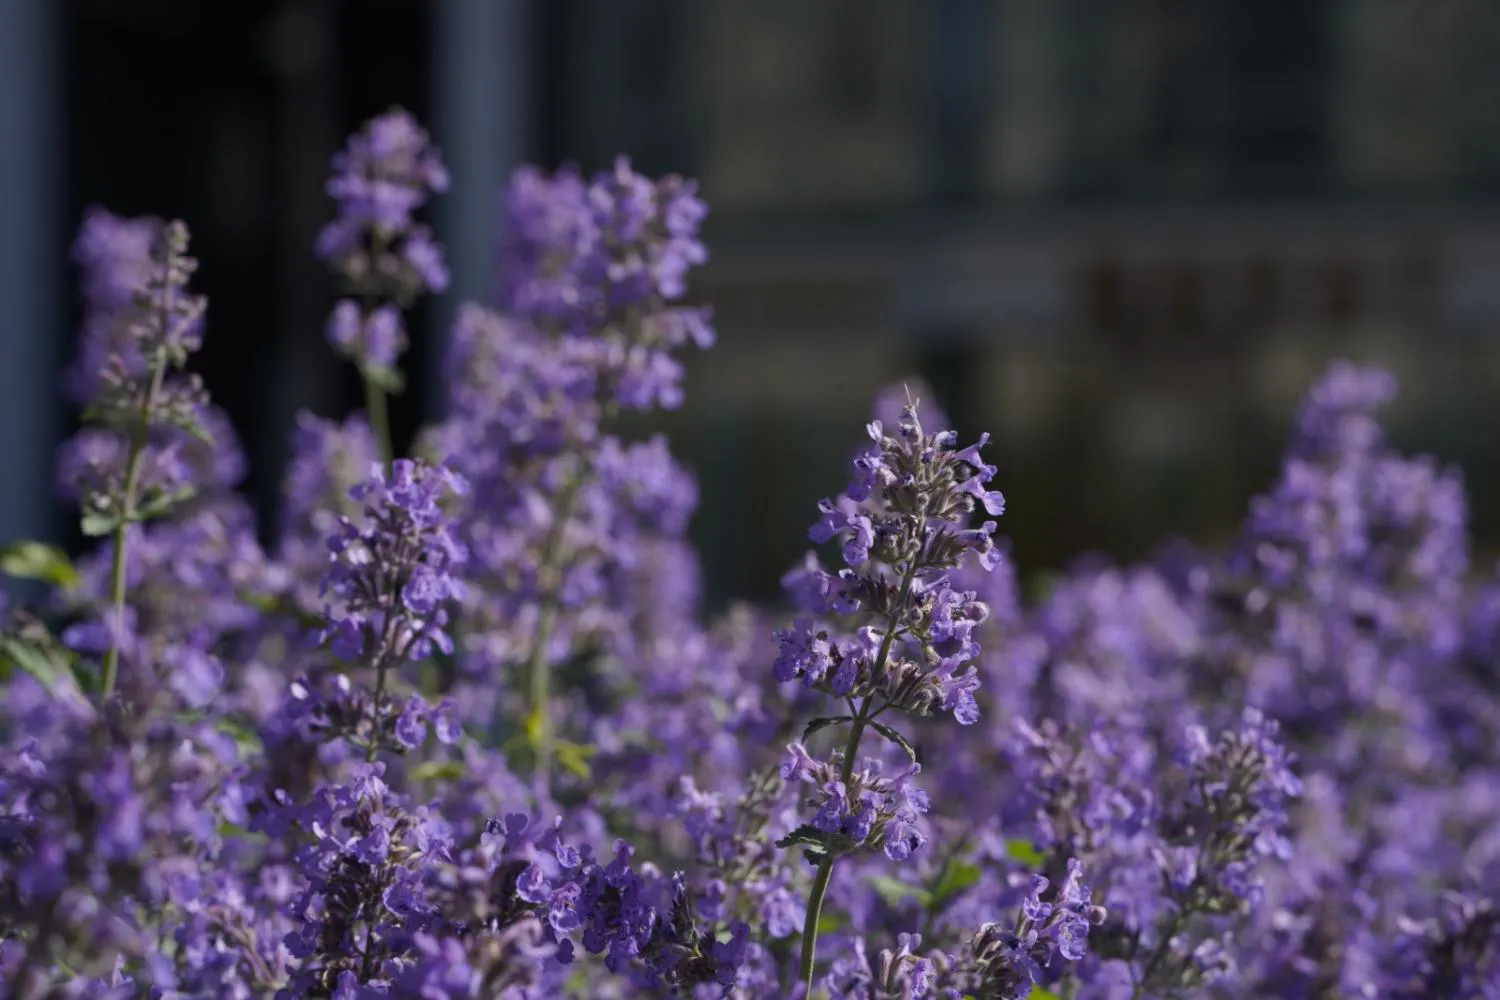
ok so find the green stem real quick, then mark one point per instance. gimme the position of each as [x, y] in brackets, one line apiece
[126, 512]
[1162, 948]
[539, 676]
[375, 405]
[825, 868]
[380, 423]
[538, 670]
[851, 749]
[382, 664]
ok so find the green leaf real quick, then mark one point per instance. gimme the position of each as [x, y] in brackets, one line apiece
[574, 757]
[163, 503]
[227, 829]
[1024, 851]
[893, 890]
[896, 738]
[957, 875]
[1042, 993]
[197, 431]
[28, 646]
[830, 921]
[814, 843]
[384, 377]
[804, 834]
[439, 770]
[244, 735]
[271, 604]
[18, 654]
[95, 524]
[38, 561]
[824, 721]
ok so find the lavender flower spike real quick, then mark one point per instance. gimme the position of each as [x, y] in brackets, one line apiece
[383, 256]
[896, 634]
[391, 579]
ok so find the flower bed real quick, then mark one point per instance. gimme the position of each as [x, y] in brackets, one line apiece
[463, 731]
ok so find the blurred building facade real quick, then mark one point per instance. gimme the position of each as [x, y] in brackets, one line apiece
[1122, 237]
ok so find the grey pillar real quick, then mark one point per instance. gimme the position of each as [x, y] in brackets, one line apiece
[31, 334]
[300, 370]
[962, 30]
[483, 68]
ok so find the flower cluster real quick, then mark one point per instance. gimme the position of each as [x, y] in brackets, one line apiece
[1454, 953]
[337, 708]
[385, 258]
[1177, 848]
[601, 261]
[329, 460]
[462, 730]
[392, 577]
[902, 525]
[860, 806]
[133, 466]
[567, 517]
[1003, 963]
[100, 816]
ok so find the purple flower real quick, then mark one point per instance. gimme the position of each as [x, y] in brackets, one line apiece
[603, 260]
[449, 730]
[385, 174]
[901, 524]
[144, 415]
[411, 726]
[1277, 765]
[400, 563]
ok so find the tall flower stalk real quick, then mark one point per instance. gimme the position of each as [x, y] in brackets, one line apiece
[538, 671]
[894, 636]
[141, 475]
[393, 578]
[588, 323]
[384, 258]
